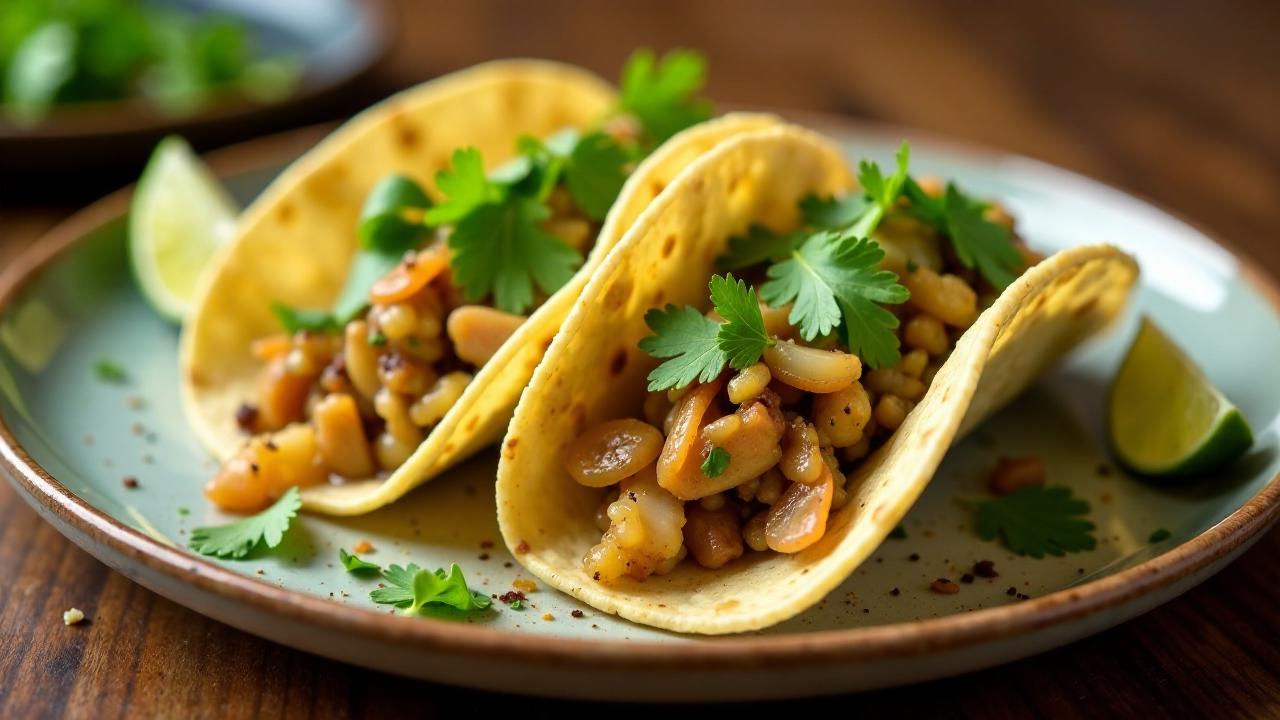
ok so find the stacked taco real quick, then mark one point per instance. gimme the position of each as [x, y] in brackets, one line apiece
[762, 377]
[386, 299]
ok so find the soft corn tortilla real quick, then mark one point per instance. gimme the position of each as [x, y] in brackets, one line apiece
[594, 372]
[295, 243]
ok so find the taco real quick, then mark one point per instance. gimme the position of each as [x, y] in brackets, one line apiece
[387, 298]
[766, 372]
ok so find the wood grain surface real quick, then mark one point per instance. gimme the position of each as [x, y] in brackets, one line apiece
[1175, 101]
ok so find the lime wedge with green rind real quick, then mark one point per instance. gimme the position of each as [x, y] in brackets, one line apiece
[179, 217]
[1165, 419]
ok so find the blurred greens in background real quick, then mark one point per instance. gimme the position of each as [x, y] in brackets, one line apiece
[55, 52]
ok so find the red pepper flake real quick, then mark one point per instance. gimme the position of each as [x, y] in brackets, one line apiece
[985, 569]
[944, 586]
[511, 596]
[364, 546]
[246, 416]
[130, 482]
[967, 579]
[522, 548]
[486, 544]
[577, 614]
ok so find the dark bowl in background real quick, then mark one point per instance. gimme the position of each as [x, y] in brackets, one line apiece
[86, 147]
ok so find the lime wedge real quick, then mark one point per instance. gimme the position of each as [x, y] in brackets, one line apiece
[1165, 419]
[180, 215]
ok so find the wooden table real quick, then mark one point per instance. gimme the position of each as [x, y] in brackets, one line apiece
[1176, 103]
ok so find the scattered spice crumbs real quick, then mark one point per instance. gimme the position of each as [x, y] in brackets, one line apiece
[524, 585]
[967, 579]
[130, 482]
[548, 617]
[985, 569]
[73, 616]
[944, 586]
[522, 548]
[895, 592]
[136, 403]
[486, 544]
[361, 547]
[484, 556]
[913, 557]
[508, 564]
[1011, 591]
[578, 614]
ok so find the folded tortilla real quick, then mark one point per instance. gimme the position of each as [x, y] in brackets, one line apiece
[295, 242]
[594, 371]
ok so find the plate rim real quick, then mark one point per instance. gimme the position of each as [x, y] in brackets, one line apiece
[919, 637]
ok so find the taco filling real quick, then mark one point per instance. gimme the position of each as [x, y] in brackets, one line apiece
[809, 359]
[436, 289]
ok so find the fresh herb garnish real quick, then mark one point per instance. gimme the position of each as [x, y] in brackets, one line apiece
[377, 338]
[391, 217]
[716, 463]
[354, 564]
[1036, 520]
[412, 588]
[595, 173]
[236, 540]
[1159, 536]
[662, 95]
[835, 282]
[977, 241]
[517, 604]
[699, 347]
[294, 320]
[109, 371]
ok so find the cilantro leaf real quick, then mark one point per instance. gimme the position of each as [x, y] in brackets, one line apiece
[662, 94]
[354, 564]
[978, 242]
[384, 226]
[835, 282]
[830, 213]
[499, 249]
[690, 339]
[294, 320]
[465, 188]
[412, 588]
[881, 190]
[236, 540]
[110, 371]
[1036, 520]
[742, 337]
[596, 172]
[758, 245]
[716, 463]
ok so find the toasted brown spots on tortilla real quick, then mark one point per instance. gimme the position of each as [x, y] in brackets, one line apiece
[448, 448]
[659, 296]
[658, 187]
[408, 137]
[619, 362]
[512, 443]
[727, 605]
[546, 342]
[284, 213]
[668, 246]
[1086, 308]
[618, 294]
[471, 424]
[579, 414]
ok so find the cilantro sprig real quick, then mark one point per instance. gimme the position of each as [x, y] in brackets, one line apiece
[662, 94]
[236, 540]
[698, 347]
[978, 242]
[412, 588]
[1036, 520]
[835, 282]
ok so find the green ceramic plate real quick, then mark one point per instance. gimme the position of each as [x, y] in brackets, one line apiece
[68, 440]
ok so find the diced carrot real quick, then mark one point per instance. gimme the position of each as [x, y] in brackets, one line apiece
[406, 279]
